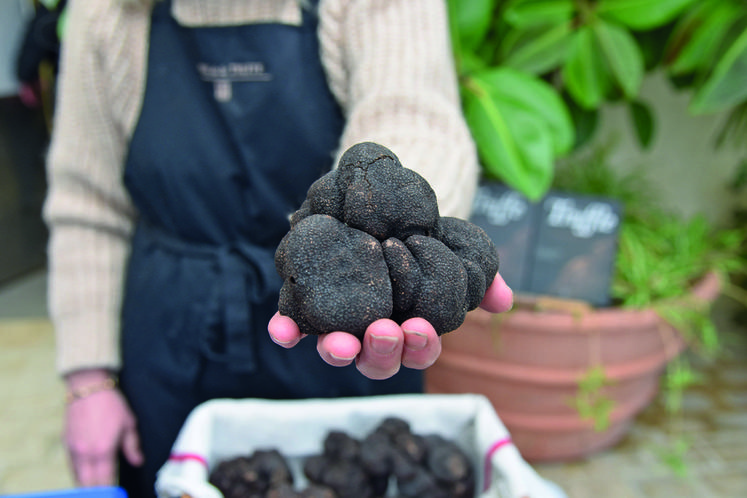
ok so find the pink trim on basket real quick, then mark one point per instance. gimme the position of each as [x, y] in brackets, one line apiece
[488, 455]
[183, 457]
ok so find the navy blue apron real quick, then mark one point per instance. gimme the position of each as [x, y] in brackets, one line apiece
[236, 123]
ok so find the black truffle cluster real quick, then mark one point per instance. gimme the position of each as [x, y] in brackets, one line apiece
[263, 474]
[391, 456]
[369, 243]
[418, 465]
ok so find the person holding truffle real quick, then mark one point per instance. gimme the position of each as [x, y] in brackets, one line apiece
[186, 134]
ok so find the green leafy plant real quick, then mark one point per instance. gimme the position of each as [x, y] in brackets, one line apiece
[680, 377]
[674, 454]
[591, 402]
[534, 73]
[708, 50]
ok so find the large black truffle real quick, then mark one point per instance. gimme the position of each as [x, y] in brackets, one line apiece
[369, 243]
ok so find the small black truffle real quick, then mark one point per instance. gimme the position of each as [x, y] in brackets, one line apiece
[252, 475]
[338, 467]
[340, 445]
[369, 243]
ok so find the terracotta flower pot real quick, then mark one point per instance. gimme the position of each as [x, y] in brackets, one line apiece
[529, 364]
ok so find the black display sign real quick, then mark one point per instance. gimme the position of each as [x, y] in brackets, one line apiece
[564, 245]
[509, 219]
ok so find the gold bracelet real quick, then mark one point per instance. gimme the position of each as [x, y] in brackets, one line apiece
[85, 391]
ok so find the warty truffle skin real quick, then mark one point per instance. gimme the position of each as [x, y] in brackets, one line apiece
[436, 277]
[335, 277]
[477, 252]
[368, 243]
[370, 190]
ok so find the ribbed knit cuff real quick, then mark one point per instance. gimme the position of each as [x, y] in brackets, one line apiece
[88, 341]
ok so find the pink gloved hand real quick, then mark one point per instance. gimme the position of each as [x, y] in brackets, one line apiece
[96, 427]
[386, 345]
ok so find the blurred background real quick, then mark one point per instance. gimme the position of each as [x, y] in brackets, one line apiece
[23, 140]
[693, 173]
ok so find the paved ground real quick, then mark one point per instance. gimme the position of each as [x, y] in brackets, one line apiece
[31, 456]
[715, 427]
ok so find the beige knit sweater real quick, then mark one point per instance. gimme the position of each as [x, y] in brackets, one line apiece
[388, 63]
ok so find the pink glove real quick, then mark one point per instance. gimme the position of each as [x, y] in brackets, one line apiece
[386, 345]
[96, 426]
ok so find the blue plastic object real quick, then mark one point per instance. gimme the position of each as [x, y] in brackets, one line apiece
[96, 492]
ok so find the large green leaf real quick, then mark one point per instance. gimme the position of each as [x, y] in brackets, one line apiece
[622, 55]
[469, 62]
[697, 37]
[585, 73]
[470, 21]
[538, 50]
[522, 13]
[533, 96]
[727, 86]
[514, 145]
[641, 14]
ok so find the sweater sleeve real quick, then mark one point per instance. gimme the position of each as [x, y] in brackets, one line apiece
[87, 209]
[390, 65]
